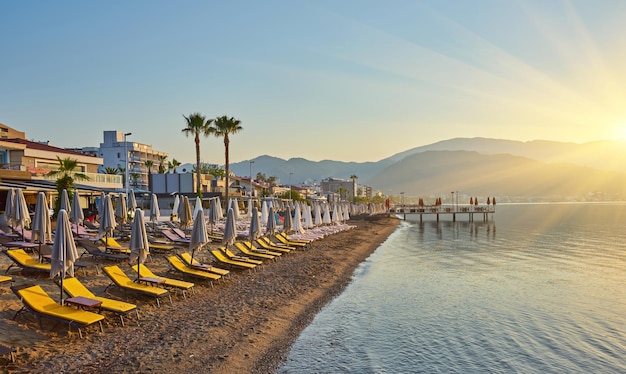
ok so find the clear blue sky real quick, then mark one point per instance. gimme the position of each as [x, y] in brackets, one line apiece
[340, 80]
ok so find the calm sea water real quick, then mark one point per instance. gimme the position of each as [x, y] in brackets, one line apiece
[536, 289]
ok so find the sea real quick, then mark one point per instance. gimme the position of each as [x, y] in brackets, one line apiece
[537, 288]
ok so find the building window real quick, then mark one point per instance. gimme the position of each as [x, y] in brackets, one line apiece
[118, 155]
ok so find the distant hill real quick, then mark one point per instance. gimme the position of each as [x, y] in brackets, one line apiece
[476, 174]
[475, 166]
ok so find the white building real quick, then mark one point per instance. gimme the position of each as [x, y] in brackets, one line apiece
[112, 152]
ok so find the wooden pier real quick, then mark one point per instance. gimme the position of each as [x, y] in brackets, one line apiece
[445, 210]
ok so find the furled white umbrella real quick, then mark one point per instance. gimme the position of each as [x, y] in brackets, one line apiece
[76, 215]
[326, 217]
[184, 213]
[20, 213]
[213, 213]
[336, 217]
[176, 205]
[297, 220]
[100, 203]
[218, 204]
[264, 209]
[139, 246]
[107, 219]
[288, 222]
[64, 252]
[197, 206]
[9, 206]
[250, 204]
[42, 228]
[65, 202]
[234, 205]
[132, 201]
[121, 211]
[307, 217]
[255, 226]
[317, 214]
[199, 236]
[346, 213]
[155, 213]
[229, 229]
[270, 229]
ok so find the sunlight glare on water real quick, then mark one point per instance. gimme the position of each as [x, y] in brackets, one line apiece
[536, 289]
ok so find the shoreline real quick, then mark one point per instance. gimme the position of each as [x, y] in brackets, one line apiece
[246, 324]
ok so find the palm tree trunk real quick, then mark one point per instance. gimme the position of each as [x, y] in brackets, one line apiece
[198, 164]
[227, 168]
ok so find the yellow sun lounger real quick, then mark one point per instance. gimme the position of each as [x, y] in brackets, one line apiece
[4, 278]
[74, 288]
[186, 257]
[227, 252]
[121, 280]
[112, 245]
[183, 286]
[266, 251]
[220, 257]
[246, 251]
[25, 261]
[178, 265]
[274, 244]
[37, 301]
[292, 243]
[274, 248]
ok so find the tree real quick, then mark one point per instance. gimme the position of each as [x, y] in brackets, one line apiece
[222, 127]
[134, 176]
[162, 160]
[342, 191]
[197, 125]
[216, 172]
[149, 164]
[354, 178]
[261, 177]
[171, 166]
[110, 170]
[272, 182]
[66, 177]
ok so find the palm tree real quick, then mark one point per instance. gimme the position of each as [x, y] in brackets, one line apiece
[162, 160]
[197, 125]
[354, 177]
[66, 177]
[171, 166]
[222, 127]
[149, 164]
[110, 170]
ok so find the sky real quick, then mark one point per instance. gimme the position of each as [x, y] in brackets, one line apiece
[351, 80]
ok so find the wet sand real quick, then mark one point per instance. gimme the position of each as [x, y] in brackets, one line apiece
[246, 324]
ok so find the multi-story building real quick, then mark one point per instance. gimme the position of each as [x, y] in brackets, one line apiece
[112, 150]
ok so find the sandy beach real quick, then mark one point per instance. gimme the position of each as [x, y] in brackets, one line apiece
[246, 324]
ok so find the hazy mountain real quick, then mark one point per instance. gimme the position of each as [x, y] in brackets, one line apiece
[473, 173]
[476, 166]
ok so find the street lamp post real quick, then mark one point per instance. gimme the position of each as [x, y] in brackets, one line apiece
[290, 189]
[126, 162]
[402, 201]
[251, 162]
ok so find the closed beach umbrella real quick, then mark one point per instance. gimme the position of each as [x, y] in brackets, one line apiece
[307, 216]
[220, 212]
[264, 208]
[297, 220]
[65, 202]
[270, 229]
[234, 205]
[64, 252]
[139, 246]
[255, 225]
[76, 215]
[155, 213]
[107, 218]
[176, 205]
[317, 214]
[199, 236]
[184, 213]
[20, 213]
[121, 212]
[213, 213]
[288, 223]
[198, 206]
[132, 201]
[229, 229]
[42, 229]
[249, 212]
[9, 206]
[100, 203]
[346, 212]
[326, 217]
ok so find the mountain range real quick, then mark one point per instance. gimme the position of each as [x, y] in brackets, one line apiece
[474, 167]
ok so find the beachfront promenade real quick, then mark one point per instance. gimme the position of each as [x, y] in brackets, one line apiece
[451, 210]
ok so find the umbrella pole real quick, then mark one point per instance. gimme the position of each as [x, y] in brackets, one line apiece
[138, 265]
